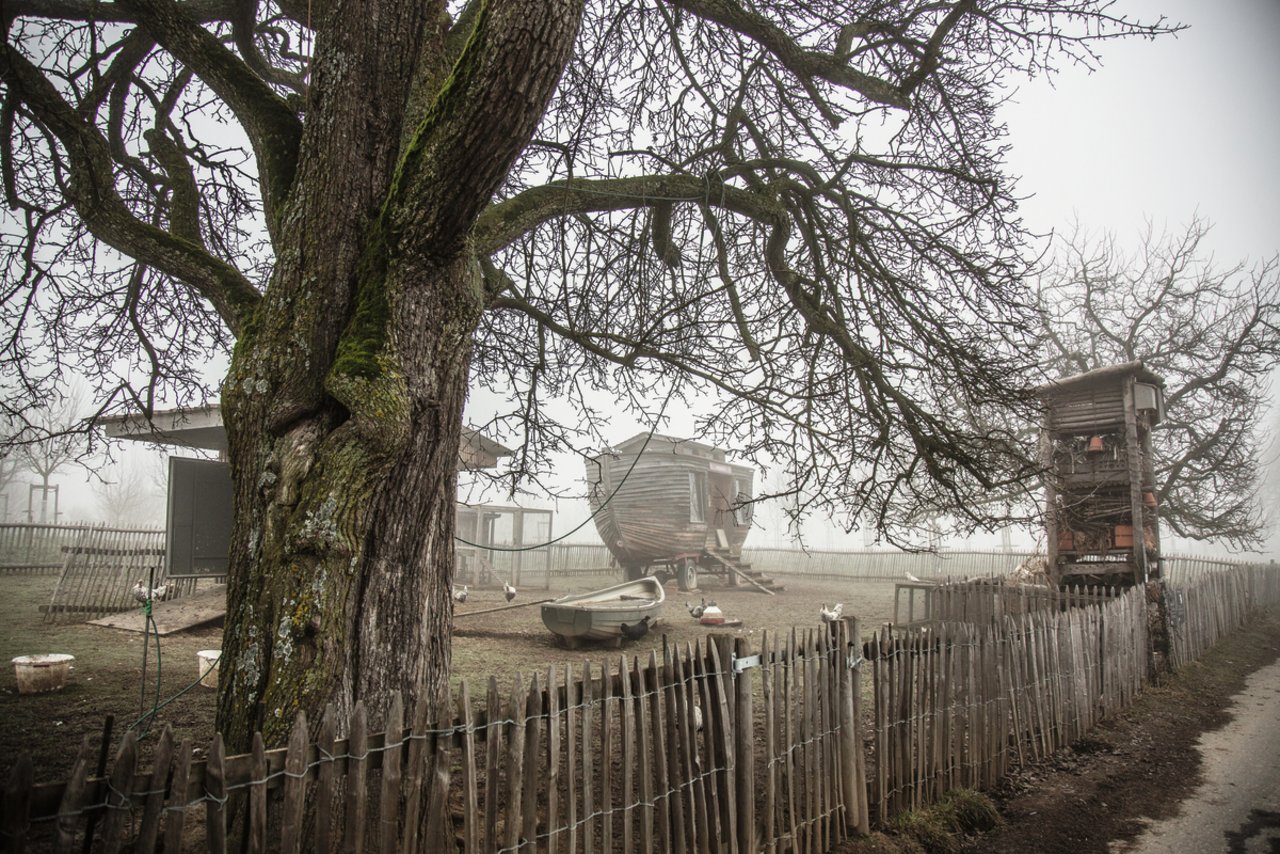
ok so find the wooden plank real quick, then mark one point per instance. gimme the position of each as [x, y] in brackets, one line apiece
[532, 749]
[553, 764]
[355, 801]
[470, 784]
[573, 696]
[176, 812]
[175, 615]
[69, 810]
[768, 658]
[293, 806]
[605, 761]
[326, 787]
[215, 792]
[258, 797]
[120, 781]
[720, 650]
[588, 754]
[415, 772]
[744, 748]
[153, 804]
[644, 745]
[389, 797]
[658, 730]
[493, 753]
[515, 764]
[678, 795]
[438, 831]
[627, 724]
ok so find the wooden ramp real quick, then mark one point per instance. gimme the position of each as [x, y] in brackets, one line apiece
[185, 613]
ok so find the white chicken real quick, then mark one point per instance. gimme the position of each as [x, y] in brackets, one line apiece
[508, 591]
[460, 593]
[142, 594]
[832, 614]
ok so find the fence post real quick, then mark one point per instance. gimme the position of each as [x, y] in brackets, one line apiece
[744, 747]
[852, 771]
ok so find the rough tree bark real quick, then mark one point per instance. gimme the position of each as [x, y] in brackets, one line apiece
[344, 401]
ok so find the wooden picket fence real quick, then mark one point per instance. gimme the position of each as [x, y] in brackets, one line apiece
[957, 704]
[715, 747]
[1215, 604]
[718, 748]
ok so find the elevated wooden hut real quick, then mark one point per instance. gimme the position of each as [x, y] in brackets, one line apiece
[660, 501]
[1102, 498]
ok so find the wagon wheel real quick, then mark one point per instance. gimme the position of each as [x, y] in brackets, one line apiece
[687, 575]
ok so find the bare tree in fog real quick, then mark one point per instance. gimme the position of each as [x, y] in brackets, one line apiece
[1212, 332]
[792, 216]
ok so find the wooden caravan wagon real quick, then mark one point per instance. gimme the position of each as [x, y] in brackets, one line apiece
[1102, 498]
[672, 503]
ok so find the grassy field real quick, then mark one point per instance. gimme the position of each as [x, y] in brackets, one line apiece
[108, 677]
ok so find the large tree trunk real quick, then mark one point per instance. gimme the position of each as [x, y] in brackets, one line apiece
[344, 401]
[345, 556]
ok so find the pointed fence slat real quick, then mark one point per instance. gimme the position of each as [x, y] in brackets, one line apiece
[175, 813]
[117, 800]
[295, 788]
[258, 797]
[356, 797]
[73, 798]
[153, 806]
[326, 786]
[215, 793]
[389, 799]
[470, 785]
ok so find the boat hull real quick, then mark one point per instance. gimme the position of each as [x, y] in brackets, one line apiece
[600, 614]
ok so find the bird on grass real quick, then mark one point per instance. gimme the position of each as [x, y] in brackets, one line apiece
[460, 595]
[635, 631]
[142, 594]
[696, 611]
[832, 614]
[508, 591]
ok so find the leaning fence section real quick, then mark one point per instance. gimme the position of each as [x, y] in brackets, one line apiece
[102, 567]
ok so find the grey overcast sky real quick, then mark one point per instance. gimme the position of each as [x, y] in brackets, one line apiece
[1165, 129]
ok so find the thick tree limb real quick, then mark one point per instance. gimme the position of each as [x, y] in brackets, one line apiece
[506, 221]
[91, 190]
[801, 62]
[272, 127]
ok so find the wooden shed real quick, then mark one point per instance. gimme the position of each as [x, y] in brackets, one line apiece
[661, 501]
[1101, 496]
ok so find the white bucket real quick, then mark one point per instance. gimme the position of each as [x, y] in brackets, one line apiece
[39, 673]
[208, 661]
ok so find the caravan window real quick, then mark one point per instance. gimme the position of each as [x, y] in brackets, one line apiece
[697, 496]
[741, 509]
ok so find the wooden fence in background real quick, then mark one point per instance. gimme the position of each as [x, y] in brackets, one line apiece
[28, 548]
[718, 748]
[956, 704]
[1215, 604]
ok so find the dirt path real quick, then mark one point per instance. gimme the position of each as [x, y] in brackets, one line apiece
[1237, 806]
[1142, 766]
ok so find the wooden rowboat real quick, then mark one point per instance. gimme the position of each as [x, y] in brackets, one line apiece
[600, 614]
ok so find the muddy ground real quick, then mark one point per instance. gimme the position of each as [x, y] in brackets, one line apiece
[108, 677]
